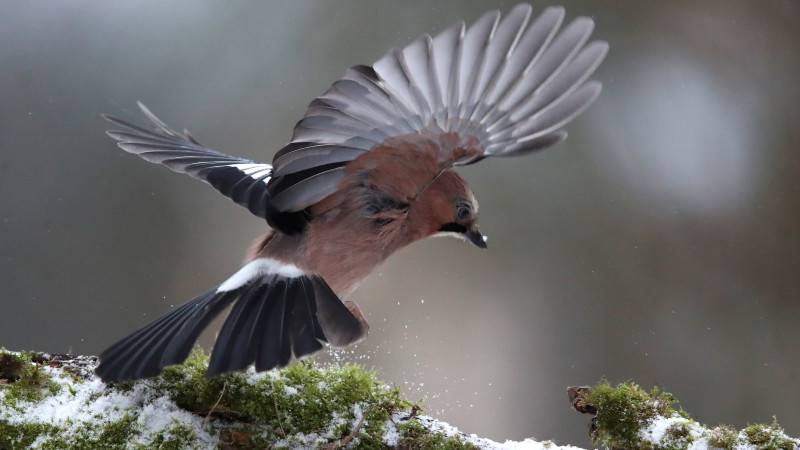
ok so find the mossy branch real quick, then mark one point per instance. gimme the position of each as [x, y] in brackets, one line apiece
[626, 417]
[55, 401]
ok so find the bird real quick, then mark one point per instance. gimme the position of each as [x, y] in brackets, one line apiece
[370, 169]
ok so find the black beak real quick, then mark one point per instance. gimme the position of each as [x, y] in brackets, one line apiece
[475, 236]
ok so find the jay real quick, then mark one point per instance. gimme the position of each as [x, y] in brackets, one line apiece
[369, 170]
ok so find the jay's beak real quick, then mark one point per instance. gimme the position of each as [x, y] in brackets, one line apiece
[476, 237]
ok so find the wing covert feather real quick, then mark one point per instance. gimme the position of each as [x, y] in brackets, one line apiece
[504, 86]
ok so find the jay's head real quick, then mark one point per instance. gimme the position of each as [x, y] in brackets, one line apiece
[448, 208]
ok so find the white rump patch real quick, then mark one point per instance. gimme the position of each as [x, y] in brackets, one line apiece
[257, 268]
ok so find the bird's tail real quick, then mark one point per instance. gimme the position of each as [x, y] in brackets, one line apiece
[278, 313]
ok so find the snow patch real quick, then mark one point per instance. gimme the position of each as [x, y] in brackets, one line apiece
[658, 428]
[289, 391]
[391, 436]
[161, 414]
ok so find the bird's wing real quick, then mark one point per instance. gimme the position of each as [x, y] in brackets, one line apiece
[240, 179]
[500, 87]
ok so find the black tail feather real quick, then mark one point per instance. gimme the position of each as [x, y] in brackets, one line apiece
[150, 359]
[231, 350]
[255, 326]
[285, 347]
[273, 319]
[338, 324]
[139, 355]
[269, 344]
[256, 339]
[304, 328]
[126, 359]
[270, 320]
[182, 343]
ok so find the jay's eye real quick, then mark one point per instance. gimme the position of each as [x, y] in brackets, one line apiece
[463, 212]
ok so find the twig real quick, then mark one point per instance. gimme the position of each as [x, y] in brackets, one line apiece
[277, 412]
[579, 398]
[221, 393]
[415, 410]
[342, 443]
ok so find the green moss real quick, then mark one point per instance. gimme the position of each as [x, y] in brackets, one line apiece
[21, 436]
[11, 366]
[304, 406]
[624, 410]
[415, 436]
[768, 437]
[177, 437]
[116, 433]
[723, 437]
[301, 398]
[677, 437]
[188, 386]
[24, 380]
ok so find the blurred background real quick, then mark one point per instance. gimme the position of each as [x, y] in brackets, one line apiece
[658, 243]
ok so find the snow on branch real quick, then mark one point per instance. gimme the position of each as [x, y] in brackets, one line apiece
[56, 401]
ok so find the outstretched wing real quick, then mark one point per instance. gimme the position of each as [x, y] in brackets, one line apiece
[240, 179]
[500, 87]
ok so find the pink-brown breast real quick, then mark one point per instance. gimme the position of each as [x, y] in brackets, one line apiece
[341, 245]
[343, 242]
